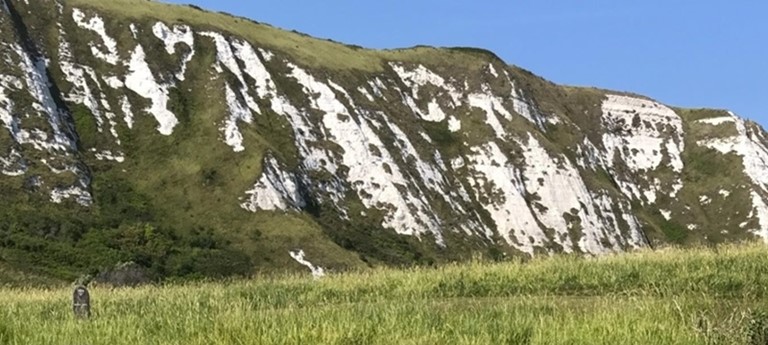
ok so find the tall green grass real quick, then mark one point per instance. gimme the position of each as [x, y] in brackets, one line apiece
[699, 296]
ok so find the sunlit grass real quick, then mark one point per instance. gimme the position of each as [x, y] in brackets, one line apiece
[699, 296]
[304, 49]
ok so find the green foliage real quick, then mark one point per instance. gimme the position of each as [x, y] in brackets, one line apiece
[180, 104]
[484, 53]
[366, 236]
[445, 140]
[278, 132]
[692, 115]
[6, 333]
[212, 263]
[86, 125]
[757, 329]
[118, 200]
[704, 162]
[61, 244]
[674, 233]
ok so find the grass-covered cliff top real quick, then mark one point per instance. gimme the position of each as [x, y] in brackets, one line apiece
[307, 50]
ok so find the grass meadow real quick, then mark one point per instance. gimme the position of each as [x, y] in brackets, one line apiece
[676, 296]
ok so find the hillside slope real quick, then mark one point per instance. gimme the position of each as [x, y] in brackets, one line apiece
[195, 143]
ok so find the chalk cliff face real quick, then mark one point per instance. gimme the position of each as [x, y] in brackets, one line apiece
[137, 112]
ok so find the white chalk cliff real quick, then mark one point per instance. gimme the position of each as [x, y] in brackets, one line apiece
[427, 151]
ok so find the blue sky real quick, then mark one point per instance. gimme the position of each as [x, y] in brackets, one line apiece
[705, 53]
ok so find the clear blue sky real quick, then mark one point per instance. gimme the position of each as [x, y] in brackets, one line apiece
[705, 53]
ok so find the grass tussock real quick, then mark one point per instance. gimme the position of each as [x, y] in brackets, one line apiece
[699, 296]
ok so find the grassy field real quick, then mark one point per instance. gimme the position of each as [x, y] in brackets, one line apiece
[700, 296]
